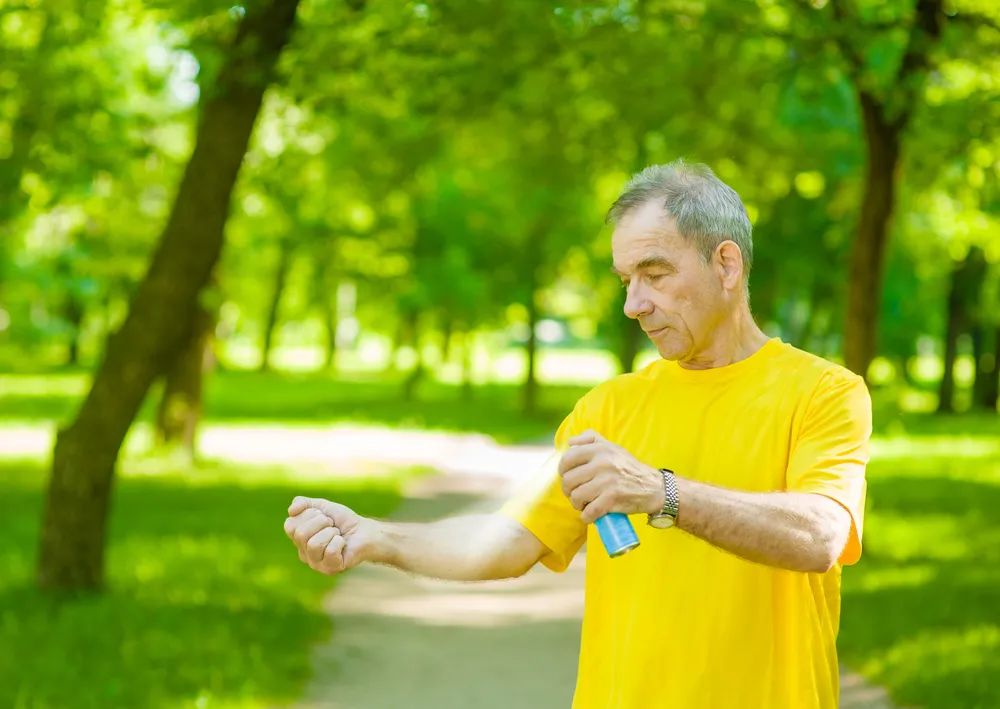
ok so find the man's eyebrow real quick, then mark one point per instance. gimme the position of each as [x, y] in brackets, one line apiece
[648, 262]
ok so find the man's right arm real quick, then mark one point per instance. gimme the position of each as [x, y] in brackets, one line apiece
[332, 538]
[467, 548]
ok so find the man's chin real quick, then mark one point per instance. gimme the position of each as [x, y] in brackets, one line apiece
[670, 346]
[668, 352]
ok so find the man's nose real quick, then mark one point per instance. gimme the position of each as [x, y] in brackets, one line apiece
[636, 301]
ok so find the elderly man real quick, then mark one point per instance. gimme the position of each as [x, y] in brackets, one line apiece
[739, 458]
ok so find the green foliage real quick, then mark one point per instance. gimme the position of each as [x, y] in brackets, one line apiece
[207, 604]
[457, 159]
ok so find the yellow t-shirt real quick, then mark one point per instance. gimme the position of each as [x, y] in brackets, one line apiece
[678, 622]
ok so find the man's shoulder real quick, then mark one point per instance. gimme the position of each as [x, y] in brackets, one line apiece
[808, 374]
[810, 369]
[621, 386]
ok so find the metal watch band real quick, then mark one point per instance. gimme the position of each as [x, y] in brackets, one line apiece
[670, 502]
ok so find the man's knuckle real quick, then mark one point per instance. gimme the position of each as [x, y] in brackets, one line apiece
[315, 544]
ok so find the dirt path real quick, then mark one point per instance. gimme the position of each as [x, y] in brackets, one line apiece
[402, 641]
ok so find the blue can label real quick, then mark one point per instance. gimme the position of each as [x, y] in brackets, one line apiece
[617, 533]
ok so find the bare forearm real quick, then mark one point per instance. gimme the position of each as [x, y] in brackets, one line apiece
[467, 548]
[797, 531]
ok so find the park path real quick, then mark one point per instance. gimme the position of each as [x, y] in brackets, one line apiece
[399, 640]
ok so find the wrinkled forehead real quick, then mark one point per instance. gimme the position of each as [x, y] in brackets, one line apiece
[645, 232]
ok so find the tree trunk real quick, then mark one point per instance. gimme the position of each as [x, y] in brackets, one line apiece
[984, 350]
[397, 342]
[902, 366]
[280, 280]
[628, 345]
[71, 554]
[447, 333]
[417, 373]
[530, 393]
[74, 313]
[991, 390]
[330, 321]
[967, 280]
[946, 390]
[884, 121]
[468, 349]
[180, 408]
[864, 287]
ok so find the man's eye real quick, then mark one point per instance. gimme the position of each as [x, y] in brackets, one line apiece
[654, 277]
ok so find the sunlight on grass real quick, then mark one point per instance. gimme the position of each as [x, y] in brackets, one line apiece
[42, 385]
[926, 663]
[945, 446]
[940, 537]
[207, 603]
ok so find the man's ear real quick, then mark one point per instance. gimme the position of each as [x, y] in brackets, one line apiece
[728, 263]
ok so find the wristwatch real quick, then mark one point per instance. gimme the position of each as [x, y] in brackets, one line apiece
[667, 517]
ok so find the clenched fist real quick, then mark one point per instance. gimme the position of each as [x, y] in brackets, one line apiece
[330, 537]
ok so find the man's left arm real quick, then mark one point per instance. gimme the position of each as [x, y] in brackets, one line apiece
[810, 526]
[792, 530]
[800, 531]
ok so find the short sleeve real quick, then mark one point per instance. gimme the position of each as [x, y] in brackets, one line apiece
[831, 451]
[540, 505]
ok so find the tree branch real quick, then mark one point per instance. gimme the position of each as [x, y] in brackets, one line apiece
[924, 34]
[855, 60]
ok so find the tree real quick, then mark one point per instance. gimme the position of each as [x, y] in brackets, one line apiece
[180, 408]
[966, 286]
[162, 311]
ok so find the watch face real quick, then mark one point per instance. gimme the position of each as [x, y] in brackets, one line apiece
[661, 522]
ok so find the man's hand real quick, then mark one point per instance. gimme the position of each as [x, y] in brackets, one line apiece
[599, 477]
[330, 537]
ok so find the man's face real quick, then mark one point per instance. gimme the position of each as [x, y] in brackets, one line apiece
[677, 298]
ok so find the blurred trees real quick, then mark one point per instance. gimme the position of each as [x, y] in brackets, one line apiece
[162, 312]
[444, 168]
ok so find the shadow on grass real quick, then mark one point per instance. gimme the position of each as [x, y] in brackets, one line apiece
[206, 597]
[911, 496]
[920, 610]
[493, 409]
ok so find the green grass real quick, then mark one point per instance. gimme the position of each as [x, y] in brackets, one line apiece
[921, 611]
[207, 605]
[308, 398]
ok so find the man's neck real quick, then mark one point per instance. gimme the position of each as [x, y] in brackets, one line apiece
[735, 340]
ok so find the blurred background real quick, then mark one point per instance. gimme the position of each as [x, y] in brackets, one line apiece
[229, 231]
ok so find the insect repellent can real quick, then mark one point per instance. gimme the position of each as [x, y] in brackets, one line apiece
[617, 533]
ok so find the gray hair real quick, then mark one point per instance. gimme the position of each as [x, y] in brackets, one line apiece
[706, 210]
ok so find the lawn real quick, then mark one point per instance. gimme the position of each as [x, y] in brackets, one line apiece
[207, 606]
[921, 611]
